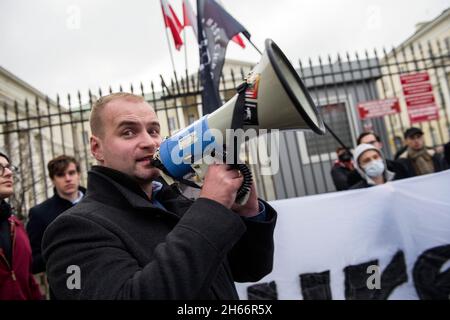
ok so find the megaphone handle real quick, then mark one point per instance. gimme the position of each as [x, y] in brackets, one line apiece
[244, 190]
[246, 184]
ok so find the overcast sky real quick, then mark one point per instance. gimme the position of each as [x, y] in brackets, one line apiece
[60, 46]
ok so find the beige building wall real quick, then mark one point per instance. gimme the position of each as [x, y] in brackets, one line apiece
[429, 36]
[25, 107]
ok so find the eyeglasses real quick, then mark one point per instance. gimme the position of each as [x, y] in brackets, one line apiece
[12, 168]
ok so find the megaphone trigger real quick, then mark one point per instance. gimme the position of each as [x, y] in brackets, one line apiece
[243, 192]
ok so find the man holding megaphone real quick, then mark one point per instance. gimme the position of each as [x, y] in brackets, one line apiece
[135, 237]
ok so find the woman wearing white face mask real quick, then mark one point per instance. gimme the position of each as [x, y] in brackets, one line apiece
[371, 166]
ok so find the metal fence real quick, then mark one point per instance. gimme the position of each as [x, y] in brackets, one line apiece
[33, 132]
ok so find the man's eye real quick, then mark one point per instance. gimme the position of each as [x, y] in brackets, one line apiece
[127, 133]
[153, 132]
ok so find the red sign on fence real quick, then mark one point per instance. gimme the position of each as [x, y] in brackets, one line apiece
[419, 97]
[378, 108]
[409, 90]
[414, 78]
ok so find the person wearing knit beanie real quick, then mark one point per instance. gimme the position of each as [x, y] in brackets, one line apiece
[371, 165]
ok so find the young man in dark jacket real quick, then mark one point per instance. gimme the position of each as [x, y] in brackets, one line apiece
[417, 158]
[132, 237]
[64, 171]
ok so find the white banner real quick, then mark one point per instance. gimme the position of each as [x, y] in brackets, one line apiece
[385, 242]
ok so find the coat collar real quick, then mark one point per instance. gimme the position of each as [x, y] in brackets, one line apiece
[118, 189]
[57, 196]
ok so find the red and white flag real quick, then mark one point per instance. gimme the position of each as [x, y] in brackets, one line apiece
[237, 39]
[171, 21]
[189, 17]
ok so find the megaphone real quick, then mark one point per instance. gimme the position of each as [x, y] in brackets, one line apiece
[272, 97]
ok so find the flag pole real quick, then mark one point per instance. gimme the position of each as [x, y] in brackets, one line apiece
[186, 59]
[185, 50]
[254, 46]
[170, 49]
[171, 59]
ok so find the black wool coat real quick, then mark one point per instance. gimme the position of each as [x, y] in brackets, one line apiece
[40, 217]
[127, 248]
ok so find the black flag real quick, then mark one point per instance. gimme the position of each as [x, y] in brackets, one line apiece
[215, 28]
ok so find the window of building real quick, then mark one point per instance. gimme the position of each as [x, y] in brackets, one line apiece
[85, 137]
[335, 116]
[191, 118]
[172, 124]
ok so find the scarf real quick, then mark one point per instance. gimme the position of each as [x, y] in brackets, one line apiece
[421, 160]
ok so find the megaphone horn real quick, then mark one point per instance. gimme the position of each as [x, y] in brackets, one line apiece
[275, 98]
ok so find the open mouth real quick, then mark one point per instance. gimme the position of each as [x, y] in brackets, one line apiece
[145, 160]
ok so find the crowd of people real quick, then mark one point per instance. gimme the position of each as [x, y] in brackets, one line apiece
[367, 166]
[133, 236]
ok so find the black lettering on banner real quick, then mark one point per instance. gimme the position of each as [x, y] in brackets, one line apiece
[356, 279]
[263, 291]
[316, 286]
[430, 283]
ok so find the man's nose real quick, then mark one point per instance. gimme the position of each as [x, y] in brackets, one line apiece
[150, 142]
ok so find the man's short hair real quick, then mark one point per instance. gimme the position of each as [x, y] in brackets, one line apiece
[58, 165]
[95, 120]
[364, 134]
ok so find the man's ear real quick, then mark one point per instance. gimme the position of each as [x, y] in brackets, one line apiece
[96, 148]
